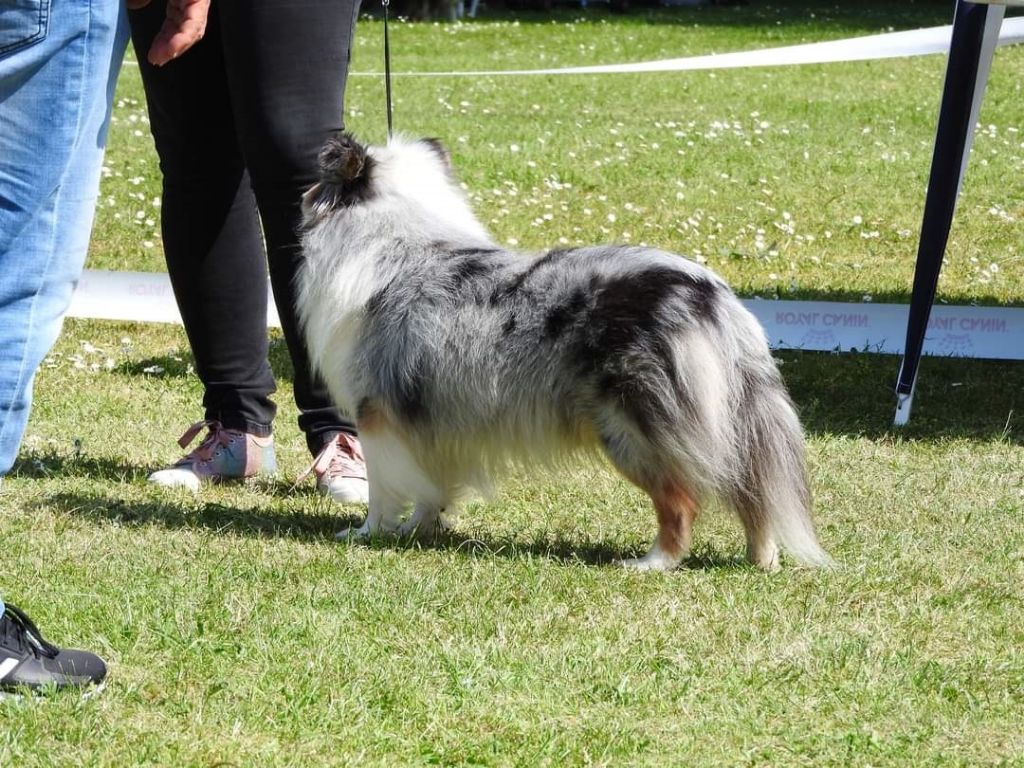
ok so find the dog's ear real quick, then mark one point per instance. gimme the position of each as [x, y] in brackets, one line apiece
[342, 160]
[440, 150]
[346, 178]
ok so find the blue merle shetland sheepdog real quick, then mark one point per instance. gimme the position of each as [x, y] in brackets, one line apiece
[459, 358]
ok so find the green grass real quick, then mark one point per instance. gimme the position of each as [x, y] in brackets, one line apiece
[239, 633]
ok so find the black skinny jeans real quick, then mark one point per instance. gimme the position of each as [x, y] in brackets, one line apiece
[238, 121]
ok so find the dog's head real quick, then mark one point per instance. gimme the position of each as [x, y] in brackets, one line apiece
[352, 174]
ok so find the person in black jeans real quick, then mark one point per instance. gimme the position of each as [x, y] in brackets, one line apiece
[238, 124]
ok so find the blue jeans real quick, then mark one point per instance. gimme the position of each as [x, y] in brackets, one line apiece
[59, 61]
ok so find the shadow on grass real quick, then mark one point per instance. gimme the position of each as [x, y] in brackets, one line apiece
[176, 366]
[321, 527]
[52, 464]
[853, 394]
[175, 514]
[559, 550]
[181, 364]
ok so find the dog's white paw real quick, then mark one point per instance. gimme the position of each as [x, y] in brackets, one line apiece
[423, 529]
[653, 561]
[352, 533]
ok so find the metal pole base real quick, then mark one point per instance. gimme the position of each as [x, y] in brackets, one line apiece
[903, 405]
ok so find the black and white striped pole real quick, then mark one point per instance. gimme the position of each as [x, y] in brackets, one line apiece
[975, 35]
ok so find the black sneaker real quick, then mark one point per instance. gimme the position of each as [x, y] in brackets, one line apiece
[27, 661]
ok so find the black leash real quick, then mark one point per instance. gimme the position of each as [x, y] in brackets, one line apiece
[387, 65]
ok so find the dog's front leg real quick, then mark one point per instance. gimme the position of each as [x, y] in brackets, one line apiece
[395, 479]
[384, 517]
[425, 521]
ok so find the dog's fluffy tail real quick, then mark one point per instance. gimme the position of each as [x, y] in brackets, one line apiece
[772, 493]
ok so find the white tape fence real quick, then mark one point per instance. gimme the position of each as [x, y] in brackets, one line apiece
[985, 332]
[888, 45]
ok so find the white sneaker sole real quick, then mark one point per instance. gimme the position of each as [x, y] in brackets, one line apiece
[347, 490]
[176, 477]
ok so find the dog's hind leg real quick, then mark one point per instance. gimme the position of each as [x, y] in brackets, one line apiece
[675, 501]
[762, 550]
[676, 508]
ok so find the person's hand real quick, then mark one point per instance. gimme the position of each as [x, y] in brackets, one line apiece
[184, 26]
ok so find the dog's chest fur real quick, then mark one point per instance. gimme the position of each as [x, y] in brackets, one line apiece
[333, 298]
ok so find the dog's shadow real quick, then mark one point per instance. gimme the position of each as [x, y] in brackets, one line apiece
[557, 549]
[322, 521]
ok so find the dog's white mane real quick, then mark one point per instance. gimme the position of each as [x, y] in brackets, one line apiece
[411, 181]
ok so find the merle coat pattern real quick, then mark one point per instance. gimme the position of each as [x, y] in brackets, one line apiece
[458, 357]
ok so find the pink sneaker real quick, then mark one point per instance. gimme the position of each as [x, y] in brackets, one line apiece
[224, 454]
[341, 471]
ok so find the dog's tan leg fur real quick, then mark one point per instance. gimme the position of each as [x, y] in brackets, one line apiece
[369, 418]
[676, 509]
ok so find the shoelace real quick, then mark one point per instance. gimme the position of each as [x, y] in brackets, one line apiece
[215, 438]
[19, 628]
[336, 458]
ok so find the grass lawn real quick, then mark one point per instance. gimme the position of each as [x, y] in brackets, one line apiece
[239, 633]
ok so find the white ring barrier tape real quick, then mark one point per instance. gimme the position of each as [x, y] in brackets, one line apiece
[145, 297]
[888, 45]
[983, 332]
